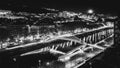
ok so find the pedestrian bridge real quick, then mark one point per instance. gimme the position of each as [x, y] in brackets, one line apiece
[68, 45]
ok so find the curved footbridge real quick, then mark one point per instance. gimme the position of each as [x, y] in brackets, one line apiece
[74, 49]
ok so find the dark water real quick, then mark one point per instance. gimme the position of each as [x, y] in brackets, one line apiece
[31, 61]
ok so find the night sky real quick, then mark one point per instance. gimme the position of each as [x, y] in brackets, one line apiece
[103, 6]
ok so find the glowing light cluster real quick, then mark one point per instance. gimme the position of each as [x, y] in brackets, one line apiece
[90, 11]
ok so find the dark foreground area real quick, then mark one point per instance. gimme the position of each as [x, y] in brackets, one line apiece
[109, 59]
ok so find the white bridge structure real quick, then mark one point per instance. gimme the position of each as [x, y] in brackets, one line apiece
[74, 49]
[84, 46]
